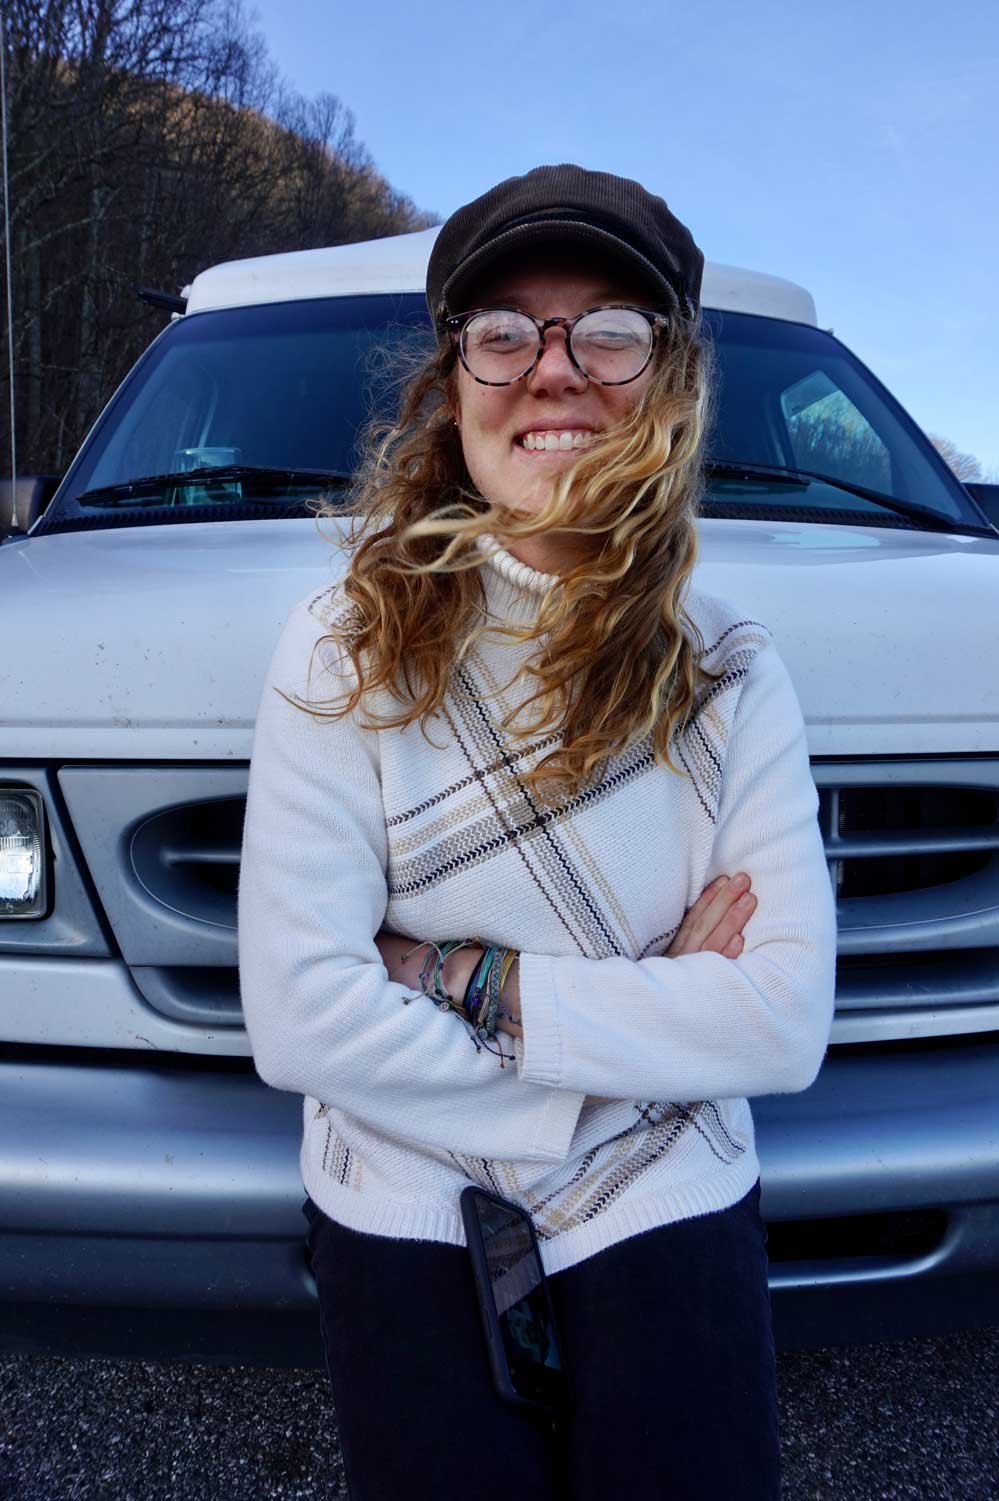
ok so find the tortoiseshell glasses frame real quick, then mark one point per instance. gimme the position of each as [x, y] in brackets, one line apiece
[457, 323]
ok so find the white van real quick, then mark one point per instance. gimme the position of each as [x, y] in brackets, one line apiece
[151, 1201]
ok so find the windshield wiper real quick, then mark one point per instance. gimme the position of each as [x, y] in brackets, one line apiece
[735, 469]
[109, 495]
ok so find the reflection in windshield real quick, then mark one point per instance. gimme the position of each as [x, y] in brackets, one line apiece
[792, 397]
[285, 389]
[209, 484]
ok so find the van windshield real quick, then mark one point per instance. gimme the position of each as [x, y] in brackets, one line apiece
[273, 400]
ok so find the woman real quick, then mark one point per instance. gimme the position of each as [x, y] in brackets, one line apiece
[482, 928]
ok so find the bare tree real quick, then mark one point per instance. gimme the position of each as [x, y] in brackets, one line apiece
[964, 465]
[149, 140]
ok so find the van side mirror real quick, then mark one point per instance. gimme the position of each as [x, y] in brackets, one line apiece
[23, 500]
[987, 497]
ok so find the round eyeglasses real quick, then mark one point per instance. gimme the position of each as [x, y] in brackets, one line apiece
[611, 345]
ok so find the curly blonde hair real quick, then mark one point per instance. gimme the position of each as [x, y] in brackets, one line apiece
[618, 663]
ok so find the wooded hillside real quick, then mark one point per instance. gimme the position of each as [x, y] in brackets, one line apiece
[149, 139]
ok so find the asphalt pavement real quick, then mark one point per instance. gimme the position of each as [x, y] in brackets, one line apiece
[916, 1419]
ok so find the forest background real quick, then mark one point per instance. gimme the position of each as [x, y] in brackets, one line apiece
[149, 139]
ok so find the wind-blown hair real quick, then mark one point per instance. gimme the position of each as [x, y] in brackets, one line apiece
[617, 664]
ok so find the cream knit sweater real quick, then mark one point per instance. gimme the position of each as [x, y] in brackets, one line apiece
[626, 1105]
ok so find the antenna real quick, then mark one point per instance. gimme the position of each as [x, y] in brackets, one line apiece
[6, 241]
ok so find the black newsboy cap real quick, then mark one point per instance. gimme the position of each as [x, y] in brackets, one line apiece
[566, 203]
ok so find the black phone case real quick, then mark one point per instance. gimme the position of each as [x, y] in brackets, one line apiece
[487, 1305]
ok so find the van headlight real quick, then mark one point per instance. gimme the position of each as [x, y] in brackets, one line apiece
[22, 853]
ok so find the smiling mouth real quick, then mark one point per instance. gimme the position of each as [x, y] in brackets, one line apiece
[558, 440]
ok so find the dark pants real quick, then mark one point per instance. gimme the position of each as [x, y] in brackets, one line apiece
[668, 1344]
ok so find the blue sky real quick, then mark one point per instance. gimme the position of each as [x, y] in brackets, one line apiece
[853, 147]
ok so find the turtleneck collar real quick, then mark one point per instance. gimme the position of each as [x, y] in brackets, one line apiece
[521, 575]
[514, 590]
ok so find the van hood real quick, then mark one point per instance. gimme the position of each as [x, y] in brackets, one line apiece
[146, 643]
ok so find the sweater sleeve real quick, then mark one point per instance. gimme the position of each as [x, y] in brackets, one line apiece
[702, 1026]
[322, 1015]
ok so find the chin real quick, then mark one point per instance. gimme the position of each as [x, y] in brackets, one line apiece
[531, 505]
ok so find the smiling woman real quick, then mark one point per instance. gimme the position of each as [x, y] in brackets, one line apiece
[525, 534]
[519, 432]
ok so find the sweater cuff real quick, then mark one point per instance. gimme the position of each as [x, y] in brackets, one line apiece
[539, 1059]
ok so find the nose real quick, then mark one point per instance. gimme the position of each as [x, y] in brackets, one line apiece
[555, 370]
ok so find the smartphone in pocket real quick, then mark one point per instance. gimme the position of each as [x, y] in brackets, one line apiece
[515, 1303]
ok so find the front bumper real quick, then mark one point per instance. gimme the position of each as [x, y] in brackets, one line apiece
[151, 1207]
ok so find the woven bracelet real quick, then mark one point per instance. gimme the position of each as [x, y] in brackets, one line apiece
[480, 995]
[486, 1000]
[510, 959]
[466, 1000]
[495, 983]
[442, 998]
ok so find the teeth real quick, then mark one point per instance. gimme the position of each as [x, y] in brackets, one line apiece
[553, 442]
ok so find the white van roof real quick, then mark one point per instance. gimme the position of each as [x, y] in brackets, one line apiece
[399, 264]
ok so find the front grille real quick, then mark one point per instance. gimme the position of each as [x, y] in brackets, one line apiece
[906, 837]
[912, 848]
[913, 854]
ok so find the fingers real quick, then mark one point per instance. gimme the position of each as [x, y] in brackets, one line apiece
[722, 911]
[716, 920]
[726, 938]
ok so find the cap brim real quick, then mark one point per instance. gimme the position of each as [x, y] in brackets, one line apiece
[554, 232]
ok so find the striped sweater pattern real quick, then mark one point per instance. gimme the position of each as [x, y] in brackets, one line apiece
[626, 1103]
